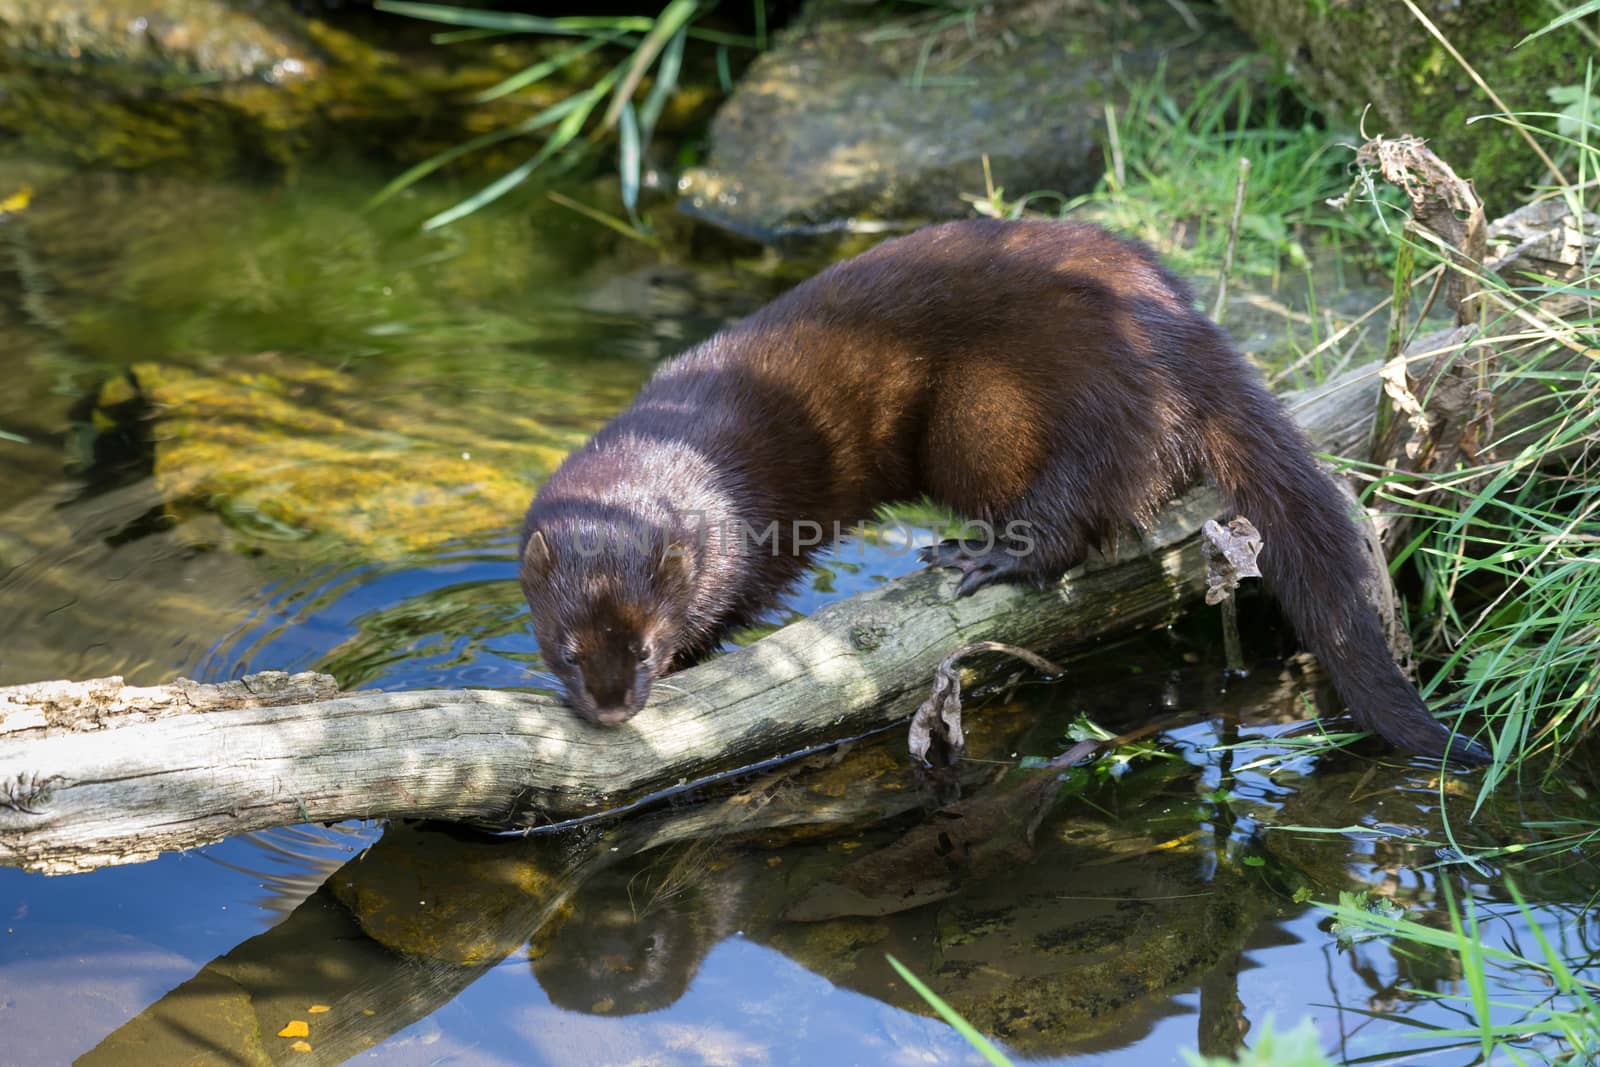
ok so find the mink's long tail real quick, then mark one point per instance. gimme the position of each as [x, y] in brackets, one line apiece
[1316, 563]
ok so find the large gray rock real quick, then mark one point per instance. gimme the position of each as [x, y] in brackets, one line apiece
[853, 120]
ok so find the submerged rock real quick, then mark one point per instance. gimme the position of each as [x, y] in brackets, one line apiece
[100, 585]
[850, 122]
[206, 86]
[286, 451]
[162, 37]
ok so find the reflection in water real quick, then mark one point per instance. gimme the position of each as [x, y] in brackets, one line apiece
[289, 863]
[395, 626]
[291, 435]
[620, 921]
[1136, 915]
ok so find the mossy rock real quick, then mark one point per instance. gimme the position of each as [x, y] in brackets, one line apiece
[851, 118]
[1352, 55]
[208, 86]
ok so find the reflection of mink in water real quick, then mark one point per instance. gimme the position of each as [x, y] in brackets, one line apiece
[1047, 378]
[637, 937]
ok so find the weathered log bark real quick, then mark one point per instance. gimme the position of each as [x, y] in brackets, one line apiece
[95, 773]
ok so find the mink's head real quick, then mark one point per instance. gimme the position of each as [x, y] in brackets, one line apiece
[609, 611]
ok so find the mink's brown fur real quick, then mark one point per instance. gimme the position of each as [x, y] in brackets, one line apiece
[1043, 373]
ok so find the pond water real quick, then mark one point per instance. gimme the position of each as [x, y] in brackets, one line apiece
[253, 427]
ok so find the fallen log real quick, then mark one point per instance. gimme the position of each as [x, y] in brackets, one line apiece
[97, 773]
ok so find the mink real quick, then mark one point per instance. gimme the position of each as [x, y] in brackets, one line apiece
[1048, 379]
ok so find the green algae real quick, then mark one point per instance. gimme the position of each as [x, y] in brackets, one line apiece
[287, 451]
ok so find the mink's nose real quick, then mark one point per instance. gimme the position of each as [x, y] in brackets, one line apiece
[611, 716]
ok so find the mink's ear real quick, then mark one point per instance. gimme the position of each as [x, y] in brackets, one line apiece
[677, 562]
[537, 559]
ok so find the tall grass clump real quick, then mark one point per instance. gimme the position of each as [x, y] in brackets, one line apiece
[1507, 545]
[1172, 168]
[627, 99]
[1501, 561]
[1503, 551]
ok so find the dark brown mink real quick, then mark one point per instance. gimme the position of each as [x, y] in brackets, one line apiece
[1046, 378]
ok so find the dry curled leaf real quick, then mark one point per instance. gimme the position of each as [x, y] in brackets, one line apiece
[1441, 202]
[936, 737]
[1230, 554]
[1440, 382]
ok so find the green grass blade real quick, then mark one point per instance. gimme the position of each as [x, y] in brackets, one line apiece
[675, 16]
[539, 71]
[1470, 949]
[563, 135]
[628, 157]
[428, 166]
[489, 193]
[610, 222]
[726, 40]
[666, 81]
[1571, 16]
[984, 1046]
[487, 20]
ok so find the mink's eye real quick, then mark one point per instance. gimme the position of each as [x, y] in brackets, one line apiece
[569, 656]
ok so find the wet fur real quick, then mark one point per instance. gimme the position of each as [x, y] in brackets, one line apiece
[1047, 372]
